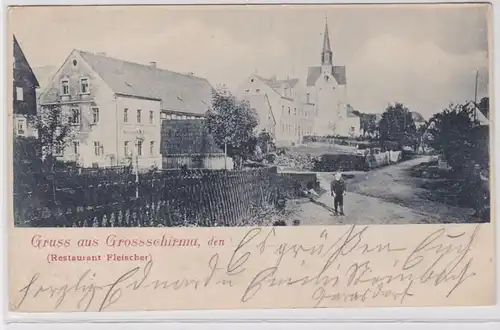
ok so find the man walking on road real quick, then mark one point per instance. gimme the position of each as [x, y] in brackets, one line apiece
[337, 188]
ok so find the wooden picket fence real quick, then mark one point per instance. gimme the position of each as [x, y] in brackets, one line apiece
[165, 198]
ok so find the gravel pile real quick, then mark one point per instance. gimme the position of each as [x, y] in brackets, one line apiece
[301, 162]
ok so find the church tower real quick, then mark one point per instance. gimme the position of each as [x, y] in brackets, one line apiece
[326, 54]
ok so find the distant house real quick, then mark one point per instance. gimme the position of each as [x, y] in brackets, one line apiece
[188, 143]
[24, 102]
[117, 107]
[479, 113]
[418, 119]
[288, 103]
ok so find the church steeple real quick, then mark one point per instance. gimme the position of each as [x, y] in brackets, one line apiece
[326, 54]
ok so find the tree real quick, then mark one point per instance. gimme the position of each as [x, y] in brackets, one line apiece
[54, 129]
[232, 125]
[397, 126]
[453, 134]
[265, 142]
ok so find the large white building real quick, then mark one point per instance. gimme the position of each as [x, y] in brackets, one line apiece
[281, 105]
[318, 107]
[116, 107]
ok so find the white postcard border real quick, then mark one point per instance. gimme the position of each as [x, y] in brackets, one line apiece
[340, 315]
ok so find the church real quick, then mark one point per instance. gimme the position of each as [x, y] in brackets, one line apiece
[317, 107]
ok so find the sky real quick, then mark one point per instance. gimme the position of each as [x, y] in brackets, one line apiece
[424, 56]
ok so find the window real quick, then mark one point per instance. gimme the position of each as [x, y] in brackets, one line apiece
[125, 115]
[84, 85]
[58, 150]
[65, 87]
[139, 116]
[98, 148]
[326, 78]
[308, 97]
[151, 117]
[76, 147]
[139, 148]
[19, 94]
[126, 151]
[257, 90]
[75, 116]
[295, 111]
[21, 126]
[288, 110]
[152, 148]
[247, 90]
[95, 115]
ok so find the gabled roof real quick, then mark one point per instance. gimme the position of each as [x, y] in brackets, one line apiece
[258, 102]
[277, 84]
[314, 73]
[177, 92]
[20, 57]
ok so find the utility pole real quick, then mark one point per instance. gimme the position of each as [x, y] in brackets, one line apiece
[225, 155]
[138, 140]
[475, 95]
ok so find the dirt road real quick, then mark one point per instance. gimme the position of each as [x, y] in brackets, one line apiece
[383, 196]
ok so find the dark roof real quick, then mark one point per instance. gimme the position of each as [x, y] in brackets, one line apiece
[314, 73]
[177, 92]
[181, 137]
[23, 63]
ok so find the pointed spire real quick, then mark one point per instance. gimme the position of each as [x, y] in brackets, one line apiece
[326, 54]
[326, 38]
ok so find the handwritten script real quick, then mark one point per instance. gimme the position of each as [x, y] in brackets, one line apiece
[333, 269]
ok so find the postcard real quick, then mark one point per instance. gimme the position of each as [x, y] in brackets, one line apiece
[250, 157]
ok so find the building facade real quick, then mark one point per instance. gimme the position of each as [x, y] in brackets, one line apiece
[327, 90]
[318, 107]
[288, 107]
[116, 108]
[25, 84]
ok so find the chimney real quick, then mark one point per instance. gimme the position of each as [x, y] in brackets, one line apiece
[101, 54]
[190, 73]
[152, 64]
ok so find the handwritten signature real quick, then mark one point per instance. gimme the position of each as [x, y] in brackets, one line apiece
[439, 259]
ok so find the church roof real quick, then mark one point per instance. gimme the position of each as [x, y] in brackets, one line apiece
[177, 92]
[314, 73]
